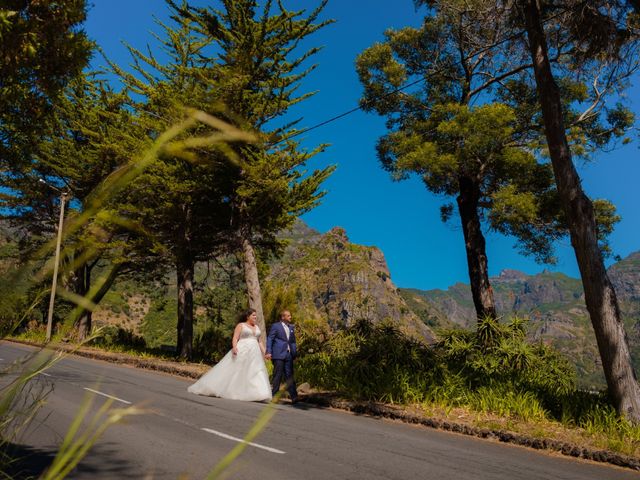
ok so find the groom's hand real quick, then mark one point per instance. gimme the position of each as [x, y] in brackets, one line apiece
[267, 356]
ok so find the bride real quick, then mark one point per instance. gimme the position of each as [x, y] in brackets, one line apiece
[241, 374]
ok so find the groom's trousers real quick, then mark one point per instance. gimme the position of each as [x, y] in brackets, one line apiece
[280, 368]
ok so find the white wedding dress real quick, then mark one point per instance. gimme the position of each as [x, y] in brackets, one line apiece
[238, 377]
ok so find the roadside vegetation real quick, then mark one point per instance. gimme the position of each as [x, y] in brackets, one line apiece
[492, 378]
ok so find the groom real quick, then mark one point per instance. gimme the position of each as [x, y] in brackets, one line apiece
[281, 349]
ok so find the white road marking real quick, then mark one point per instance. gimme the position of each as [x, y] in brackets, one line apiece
[46, 374]
[235, 439]
[106, 395]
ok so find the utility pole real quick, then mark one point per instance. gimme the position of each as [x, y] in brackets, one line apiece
[54, 282]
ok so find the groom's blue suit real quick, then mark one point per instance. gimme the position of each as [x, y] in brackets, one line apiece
[283, 350]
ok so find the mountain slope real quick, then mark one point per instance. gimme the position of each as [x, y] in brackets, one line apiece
[553, 302]
[341, 282]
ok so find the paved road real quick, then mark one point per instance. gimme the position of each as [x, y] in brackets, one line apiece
[186, 434]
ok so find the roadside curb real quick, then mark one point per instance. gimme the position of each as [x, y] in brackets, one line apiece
[366, 408]
[165, 366]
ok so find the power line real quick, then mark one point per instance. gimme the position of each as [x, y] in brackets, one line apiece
[348, 112]
[399, 89]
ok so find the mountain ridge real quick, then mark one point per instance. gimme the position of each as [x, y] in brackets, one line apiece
[554, 304]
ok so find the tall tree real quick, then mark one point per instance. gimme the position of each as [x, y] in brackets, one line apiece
[435, 132]
[257, 74]
[42, 47]
[481, 155]
[599, 35]
[183, 201]
[91, 137]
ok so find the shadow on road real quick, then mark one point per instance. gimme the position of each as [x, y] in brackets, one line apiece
[25, 462]
[105, 461]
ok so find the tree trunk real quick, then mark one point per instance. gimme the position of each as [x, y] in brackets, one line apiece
[84, 322]
[83, 284]
[253, 282]
[475, 246]
[600, 296]
[185, 267]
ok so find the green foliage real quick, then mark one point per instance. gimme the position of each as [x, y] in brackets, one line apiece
[257, 77]
[278, 297]
[622, 435]
[239, 62]
[498, 146]
[158, 325]
[18, 301]
[371, 362]
[499, 353]
[606, 218]
[594, 413]
[111, 335]
[82, 435]
[494, 369]
[43, 48]
[211, 344]
[590, 129]
[506, 402]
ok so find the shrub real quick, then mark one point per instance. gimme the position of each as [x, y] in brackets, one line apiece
[211, 345]
[494, 369]
[499, 353]
[374, 362]
[111, 335]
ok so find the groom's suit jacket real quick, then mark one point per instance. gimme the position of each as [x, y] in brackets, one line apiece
[277, 343]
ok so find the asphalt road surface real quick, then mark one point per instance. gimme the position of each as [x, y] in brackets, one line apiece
[184, 436]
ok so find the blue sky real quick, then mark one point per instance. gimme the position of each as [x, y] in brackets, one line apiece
[401, 218]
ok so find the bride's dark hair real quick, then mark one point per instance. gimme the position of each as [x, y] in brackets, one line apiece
[245, 314]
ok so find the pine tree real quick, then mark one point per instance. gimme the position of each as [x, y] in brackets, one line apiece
[469, 153]
[256, 75]
[42, 47]
[88, 138]
[91, 138]
[182, 202]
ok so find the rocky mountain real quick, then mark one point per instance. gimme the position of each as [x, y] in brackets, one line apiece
[554, 305]
[340, 282]
[625, 275]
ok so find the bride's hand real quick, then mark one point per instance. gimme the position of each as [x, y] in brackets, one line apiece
[234, 350]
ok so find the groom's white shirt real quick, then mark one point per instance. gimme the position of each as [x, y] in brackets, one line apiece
[286, 329]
